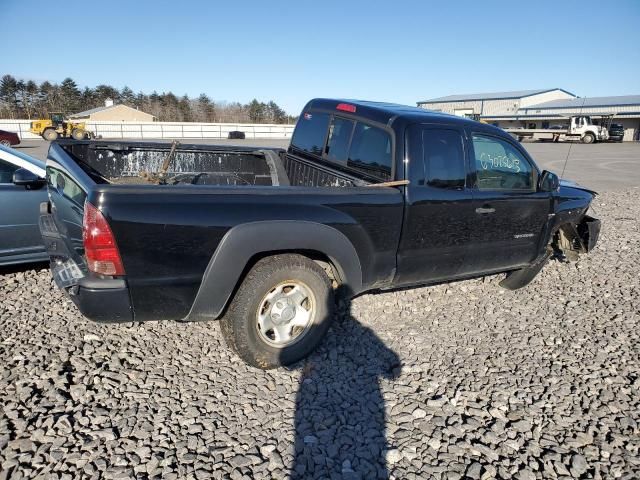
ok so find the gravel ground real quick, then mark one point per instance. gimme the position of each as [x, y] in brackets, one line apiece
[451, 381]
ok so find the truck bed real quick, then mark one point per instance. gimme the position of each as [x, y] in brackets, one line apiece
[167, 234]
[139, 163]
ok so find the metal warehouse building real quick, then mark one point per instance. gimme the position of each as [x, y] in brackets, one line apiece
[541, 108]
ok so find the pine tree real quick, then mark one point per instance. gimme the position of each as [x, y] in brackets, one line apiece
[71, 99]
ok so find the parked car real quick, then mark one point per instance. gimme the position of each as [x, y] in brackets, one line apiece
[21, 193]
[369, 196]
[616, 132]
[8, 139]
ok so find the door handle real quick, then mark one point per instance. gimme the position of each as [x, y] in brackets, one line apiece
[484, 210]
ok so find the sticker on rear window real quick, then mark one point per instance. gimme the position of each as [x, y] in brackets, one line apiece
[307, 116]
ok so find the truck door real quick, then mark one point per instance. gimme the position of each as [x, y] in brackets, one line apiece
[510, 214]
[439, 206]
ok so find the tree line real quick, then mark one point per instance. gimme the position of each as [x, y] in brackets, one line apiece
[26, 99]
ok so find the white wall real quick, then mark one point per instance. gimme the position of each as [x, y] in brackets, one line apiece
[163, 129]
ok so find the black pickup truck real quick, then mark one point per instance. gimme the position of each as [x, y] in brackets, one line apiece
[368, 196]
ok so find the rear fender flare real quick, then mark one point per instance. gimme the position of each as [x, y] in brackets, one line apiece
[243, 242]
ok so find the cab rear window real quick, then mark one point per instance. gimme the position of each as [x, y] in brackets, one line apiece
[370, 151]
[310, 132]
[349, 144]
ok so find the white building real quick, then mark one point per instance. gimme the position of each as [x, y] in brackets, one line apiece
[540, 108]
[113, 113]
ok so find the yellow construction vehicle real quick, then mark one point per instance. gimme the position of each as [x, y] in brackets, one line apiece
[56, 126]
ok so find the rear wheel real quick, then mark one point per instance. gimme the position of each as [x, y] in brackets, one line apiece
[50, 134]
[5, 143]
[78, 134]
[588, 138]
[280, 313]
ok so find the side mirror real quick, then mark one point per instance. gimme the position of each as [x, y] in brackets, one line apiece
[28, 179]
[549, 182]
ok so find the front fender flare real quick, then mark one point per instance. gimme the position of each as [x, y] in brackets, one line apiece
[244, 241]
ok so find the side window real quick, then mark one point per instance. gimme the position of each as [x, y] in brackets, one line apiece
[310, 132]
[443, 158]
[339, 137]
[499, 166]
[65, 186]
[370, 151]
[6, 171]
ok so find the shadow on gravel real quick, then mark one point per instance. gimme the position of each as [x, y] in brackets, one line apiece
[340, 412]
[22, 267]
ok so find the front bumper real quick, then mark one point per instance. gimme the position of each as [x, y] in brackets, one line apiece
[589, 231]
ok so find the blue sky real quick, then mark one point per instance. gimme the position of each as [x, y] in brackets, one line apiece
[295, 50]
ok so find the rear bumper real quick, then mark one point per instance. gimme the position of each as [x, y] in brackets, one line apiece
[99, 299]
[105, 305]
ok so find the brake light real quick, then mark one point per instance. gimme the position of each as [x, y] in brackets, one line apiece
[345, 107]
[100, 246]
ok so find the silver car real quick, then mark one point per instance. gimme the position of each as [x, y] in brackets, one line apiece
[22, 189]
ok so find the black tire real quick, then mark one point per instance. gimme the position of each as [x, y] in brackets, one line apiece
[50, 135]
[240, 323]
[78, 134]
[588, 138]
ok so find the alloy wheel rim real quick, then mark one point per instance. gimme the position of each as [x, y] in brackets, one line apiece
[286, 314]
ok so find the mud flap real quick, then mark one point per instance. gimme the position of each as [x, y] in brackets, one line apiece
[523, 277]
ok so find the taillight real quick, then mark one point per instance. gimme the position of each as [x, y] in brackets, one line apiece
[345, 107]
[99, 243]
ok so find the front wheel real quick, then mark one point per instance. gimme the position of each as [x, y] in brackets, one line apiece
[280, 313]
[588, 138]
[50, 135]
[5, 143]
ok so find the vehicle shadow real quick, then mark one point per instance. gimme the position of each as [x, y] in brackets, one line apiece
[22, 267]
[340, 411]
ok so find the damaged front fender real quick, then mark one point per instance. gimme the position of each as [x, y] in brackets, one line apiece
[573, 239]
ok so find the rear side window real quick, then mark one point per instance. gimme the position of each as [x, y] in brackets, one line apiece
[443, 158]
[370, 151]
[499, 166]
[6, 171]
[310, 132]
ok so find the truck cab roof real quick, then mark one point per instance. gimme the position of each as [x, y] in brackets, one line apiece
[385, 113]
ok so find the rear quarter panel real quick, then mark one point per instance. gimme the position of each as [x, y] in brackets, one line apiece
[167, 235]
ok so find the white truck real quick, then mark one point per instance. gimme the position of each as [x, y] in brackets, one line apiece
[579, 128]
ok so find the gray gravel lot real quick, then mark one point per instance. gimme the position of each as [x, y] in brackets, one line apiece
[456, 380]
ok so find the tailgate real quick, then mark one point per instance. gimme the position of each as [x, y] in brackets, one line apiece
[61, 219]
[99, 298]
